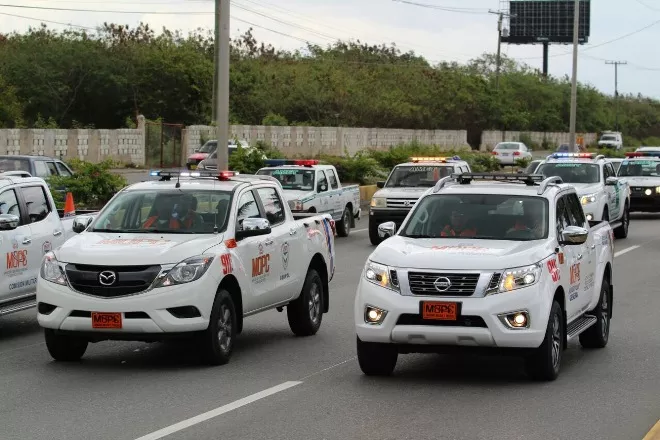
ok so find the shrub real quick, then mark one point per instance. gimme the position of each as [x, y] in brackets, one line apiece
[359, 168]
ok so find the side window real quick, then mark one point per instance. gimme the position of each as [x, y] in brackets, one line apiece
[575, 211]
[52, 168]
[62, 170]
[606, 172]
[9, 203]
[37, 203]
[563, 219]
[332, 179]
[41, 169]
[247, 208]
[322, 182]
[272, 205]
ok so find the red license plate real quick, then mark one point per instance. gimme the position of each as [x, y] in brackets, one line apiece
[440, 311]
[106, 320]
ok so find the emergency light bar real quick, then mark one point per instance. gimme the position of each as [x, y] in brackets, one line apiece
[300, 162]
[644, 154]
[528, 179]
[434, 159]
[576, 155]
[167, 175]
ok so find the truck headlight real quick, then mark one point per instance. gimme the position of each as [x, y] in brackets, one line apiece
[295, 205]
[378, 202]
[187, 271]
[51, 270]
[657, 189]
[589, 198]
[381, 275]
[519, 277]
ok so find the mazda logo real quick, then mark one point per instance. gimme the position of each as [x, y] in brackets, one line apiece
[442, 284]
[107, 278]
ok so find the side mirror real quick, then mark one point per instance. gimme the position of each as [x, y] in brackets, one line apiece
[9, 222]
[380, 184]
[611, 181]
[387, 229]
[196, 150]
[322, 188]
[81, 222]
[520, 171]
[573, 235]
[253, 227]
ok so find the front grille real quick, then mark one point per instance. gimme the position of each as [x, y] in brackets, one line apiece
[400, 203]
[129, 279]
[462, 321]
[461, 284]
[494, 281]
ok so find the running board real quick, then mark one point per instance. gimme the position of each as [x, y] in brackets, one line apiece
[580, 325]
[6, 309]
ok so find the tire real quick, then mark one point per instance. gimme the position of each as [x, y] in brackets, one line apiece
[373, 234]
[376, 359]
[217, 341]
[598, 334]
[545, 363]
[64, 348]
[306, 312]
[344, 225]
[622, 231]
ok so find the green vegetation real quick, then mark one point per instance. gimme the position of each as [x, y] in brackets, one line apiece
[92, 185]
[81, 79]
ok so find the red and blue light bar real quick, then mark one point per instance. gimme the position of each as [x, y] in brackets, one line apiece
[573, 155]
[299, 162]
[644, 154]
[168, 175]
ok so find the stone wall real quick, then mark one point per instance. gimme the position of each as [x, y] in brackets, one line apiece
[491, 138]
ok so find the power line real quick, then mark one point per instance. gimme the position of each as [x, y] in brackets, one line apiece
[478, 11]
[48, 21]
[46, 8]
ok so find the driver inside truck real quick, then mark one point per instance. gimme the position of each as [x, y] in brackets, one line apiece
[457, 226]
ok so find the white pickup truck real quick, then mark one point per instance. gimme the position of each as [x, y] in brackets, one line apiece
[188, 256]
[641, 170]
[504, 265]
[603, 195]
[310, 187]
[30, 226]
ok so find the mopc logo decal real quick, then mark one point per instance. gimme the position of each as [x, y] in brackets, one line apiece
[285, 255]
[260, 266]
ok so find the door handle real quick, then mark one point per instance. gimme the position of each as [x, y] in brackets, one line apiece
[593, 246]
[57, 233]
[27, 240]
[293, 231]
[268, 243]
[579, 257]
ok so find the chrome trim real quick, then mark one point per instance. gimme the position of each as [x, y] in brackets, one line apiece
[502, 318]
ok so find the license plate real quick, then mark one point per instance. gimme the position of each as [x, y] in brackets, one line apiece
[193, 167]
[505, 154]
[106, 320]
[440, 311]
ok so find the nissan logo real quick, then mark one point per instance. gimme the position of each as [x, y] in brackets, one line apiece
[442, 284]
[107, 278]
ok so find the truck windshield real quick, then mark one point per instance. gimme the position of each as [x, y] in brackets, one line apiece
[571, 172]
[11, 164]
[608, 138]
[209, 147]
[165, 212]
[293, 179]
[417, 176]
[479, 216]
[639, 168]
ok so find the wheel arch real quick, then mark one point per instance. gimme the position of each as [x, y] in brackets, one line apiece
[560, 297]
[231, 285]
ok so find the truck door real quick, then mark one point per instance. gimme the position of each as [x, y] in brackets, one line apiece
[612, 192]
[323, 205]
[20, 264]
[583, 270]
[337, 199]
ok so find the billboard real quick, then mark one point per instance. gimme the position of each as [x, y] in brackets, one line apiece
[546, 21]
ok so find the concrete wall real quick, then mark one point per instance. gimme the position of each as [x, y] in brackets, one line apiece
[490, 138]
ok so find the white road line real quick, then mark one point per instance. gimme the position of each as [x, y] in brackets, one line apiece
[361, 230]
[219, 411]
[626, 250]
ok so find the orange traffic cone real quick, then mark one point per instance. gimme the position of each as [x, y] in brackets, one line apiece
[69, 207]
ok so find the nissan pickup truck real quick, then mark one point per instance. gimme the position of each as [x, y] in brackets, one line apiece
[603, 195]
[189, 255]
[30, 227]
[315, 188]
[641, 170]
[403, 187]
[500, 263]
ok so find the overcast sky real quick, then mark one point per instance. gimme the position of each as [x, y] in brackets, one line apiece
[463, 31]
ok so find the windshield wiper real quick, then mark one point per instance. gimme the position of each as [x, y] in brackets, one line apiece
[155, 231]
[106, 230]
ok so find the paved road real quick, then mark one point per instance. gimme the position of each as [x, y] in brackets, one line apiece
[126, 391]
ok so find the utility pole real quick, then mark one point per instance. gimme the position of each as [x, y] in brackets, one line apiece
[216, 60]
[501, 15]
[222, 84]
[576, 36]
[616, 87]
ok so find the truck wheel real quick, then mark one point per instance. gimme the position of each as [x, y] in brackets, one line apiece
[64, 348]
[344, 225]
[622, 231]
[376, 359]
[306, 312]
[598, 334]
[373, 234]
[217, 341]
[545, 363]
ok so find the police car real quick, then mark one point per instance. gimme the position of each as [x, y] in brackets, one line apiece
[602, 194]
[642, 172]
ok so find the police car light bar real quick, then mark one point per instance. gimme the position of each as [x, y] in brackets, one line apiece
[577, 155]
[644, 154]
[433, 159]
[300, 162]
[528, 179]
[168, 175]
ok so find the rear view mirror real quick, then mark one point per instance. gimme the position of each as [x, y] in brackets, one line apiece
[573, 235]
[9, 222]
[81, 222]
[253, 227]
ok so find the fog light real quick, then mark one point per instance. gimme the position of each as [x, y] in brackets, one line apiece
[374, 315]
[590, 217]
[515, 320]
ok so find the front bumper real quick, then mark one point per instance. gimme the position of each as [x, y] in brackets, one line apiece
[478, 325]
[507, 160]
[143, 313]
[382, 215]
[641, 202]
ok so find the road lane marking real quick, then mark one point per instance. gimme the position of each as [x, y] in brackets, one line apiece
[654, 433]
[329, 368]
[626, 250]
[361, 230]
[219, 411]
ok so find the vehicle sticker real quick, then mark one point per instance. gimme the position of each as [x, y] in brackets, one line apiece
[24, 283]
[47, 247]
[574, 292]
[17, 262]
[553, 270]
[328, 241]
[284, 276]
[285, 172]
[605, 239]
[285, 255]
[416, 169]
[560, 257]
[575, 273]
[465, 249]
[260, 268]
[227, 267]
[568, 165]
[311, 233]
[588, 283]
[142, 242]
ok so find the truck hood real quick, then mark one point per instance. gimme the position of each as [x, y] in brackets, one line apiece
[97, 248]
[459, 254]
[587, 188]
[642, 180]
[402, 193]
[291, 194]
